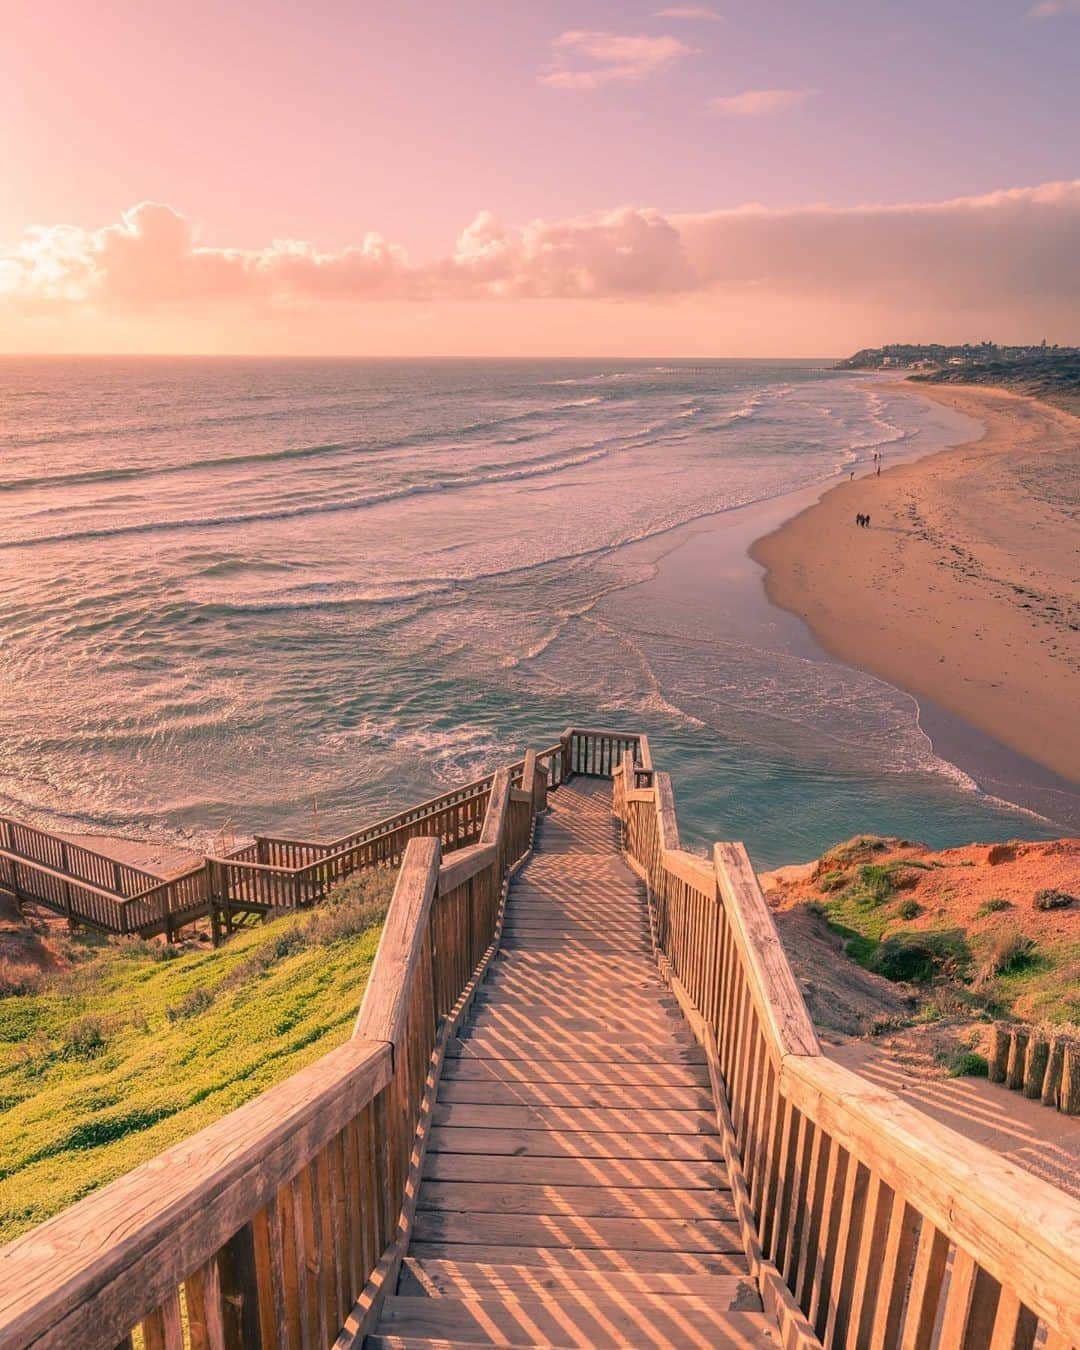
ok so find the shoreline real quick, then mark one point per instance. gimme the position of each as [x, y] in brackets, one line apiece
[961, 572]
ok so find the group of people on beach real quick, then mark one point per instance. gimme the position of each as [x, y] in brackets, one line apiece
[863, 520]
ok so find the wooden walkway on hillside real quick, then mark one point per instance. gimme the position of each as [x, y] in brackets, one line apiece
[573, 1191]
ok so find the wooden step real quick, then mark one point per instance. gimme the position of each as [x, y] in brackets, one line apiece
[465, 1279]
[575, 1144]
[610, 1095]
[599, 1202]
[578, 1258]
[564, 1230]
[656, 1321]
[485, 1116]
[473, 1068]
[495, 1045]
[646, 1172]
[547, 1024]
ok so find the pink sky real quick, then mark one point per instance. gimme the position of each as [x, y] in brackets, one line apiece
[566, 179]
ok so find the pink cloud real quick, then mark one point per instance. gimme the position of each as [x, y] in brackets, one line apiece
[1049, 9]
[587, 60]
[701, 12]
[760, 102]
[1010, 248]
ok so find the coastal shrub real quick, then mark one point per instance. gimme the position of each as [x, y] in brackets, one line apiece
[17, 979]
[909, 909]
[84, 1039]
[149, 949]
[1009, 954]
[860, 849]
[352, 908]
[876, 881]
[832, 881]
[921, 957]
[1050, 898]
[197, 1001]
[968, 1064]
[993, 906]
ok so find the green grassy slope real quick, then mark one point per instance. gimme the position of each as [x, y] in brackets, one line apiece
[127, 1053]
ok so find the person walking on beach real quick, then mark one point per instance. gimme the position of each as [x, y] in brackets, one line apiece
[866, 521]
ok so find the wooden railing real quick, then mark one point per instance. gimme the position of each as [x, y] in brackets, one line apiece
[867, 1223]
[270, 873]
[82, 864]
[282, 1224]
[293, 873]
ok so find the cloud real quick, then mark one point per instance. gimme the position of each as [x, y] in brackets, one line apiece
[760, 102]
[690, 12]
[1010, 252]
[588, 60]
[1049, 9]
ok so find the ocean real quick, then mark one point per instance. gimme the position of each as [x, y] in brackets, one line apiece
[289, 596]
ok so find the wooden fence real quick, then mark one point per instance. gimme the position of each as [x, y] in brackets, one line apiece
[276, 1226]
[868, 1224]
[1034, 1061]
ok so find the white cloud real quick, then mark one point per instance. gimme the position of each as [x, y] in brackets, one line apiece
[589, 60]
[1011, 252]
[1049, 9]
[759, 102]
[690, 12]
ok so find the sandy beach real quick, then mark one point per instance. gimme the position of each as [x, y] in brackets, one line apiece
[965, 587]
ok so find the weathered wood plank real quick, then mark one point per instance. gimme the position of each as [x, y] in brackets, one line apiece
[574, 1144]
[475, 1069]
[597, 1322]
[489, 1045]
[582, 1258]
[608, 1201]
[468, 1279]
[574, 1094]
[566, 1230]
[621, 1172]
[489, 1117]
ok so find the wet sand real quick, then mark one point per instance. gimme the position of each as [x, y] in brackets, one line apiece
[965, 588]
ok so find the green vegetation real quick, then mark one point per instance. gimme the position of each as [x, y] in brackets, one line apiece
[1053, 899]
[968, 1064]
[994, 906]
[966, 973]
[921, 957]
[139, 1046]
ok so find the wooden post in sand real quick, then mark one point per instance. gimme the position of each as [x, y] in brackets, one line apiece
[1051, 1088]
[1018, 1043]
[1038, 1053]
[1069, 1100]
[999, 1052]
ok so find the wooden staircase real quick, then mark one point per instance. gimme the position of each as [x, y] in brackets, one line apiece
[574, 1191]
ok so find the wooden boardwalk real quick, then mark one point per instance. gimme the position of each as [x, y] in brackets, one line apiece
[574, 1192]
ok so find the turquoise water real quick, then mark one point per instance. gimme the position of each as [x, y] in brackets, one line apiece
[284, 596]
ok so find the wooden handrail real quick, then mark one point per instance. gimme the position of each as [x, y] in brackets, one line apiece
[881, 1226]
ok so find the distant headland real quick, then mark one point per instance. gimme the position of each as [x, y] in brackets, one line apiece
[1044, 372]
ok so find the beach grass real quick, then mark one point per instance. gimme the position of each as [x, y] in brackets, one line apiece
[135, 1048]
